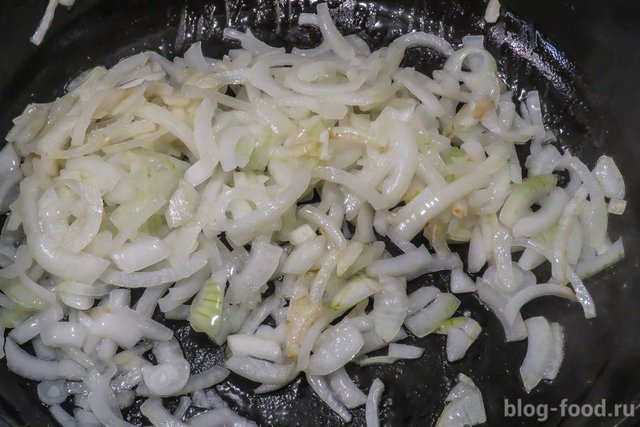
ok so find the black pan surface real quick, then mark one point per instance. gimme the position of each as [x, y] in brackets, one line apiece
[583, 57]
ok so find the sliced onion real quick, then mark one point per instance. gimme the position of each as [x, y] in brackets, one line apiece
[158, 415]
[530, 259]
[525, 295]
[492, 12]
[560, 242]
[432, 316]
[260, 266]
[301, 235]
[61, 334]
[144, 252]
[305, 256]
[144, 279]
[171, 373]
[616, 206]
[35, 324]
[588, 267]
[260, 313]
[183, 406]
[205, 379]
[22, 262]
[597, 209]
[582, 294]
[353, 292]
[609, 177]
[390, 308]
[514, 331]
[45, 23]
[182, 291]
[351, 254]
[523, 195]
[102, 400]
[421, 298]
[543, 218]
[465, 405]
[117, 326]
[62, 416]
[260, 371]
[86, 418]
[544, 352]
[256, 347]
[300, 318]
[404, 351]
[461, 282]
[311, 336]
[461, 333]
[477, 257]
[321, 387]
[334, 348]
[415, 215]
[346, 390]
[318, 287]
[52, 392]
[373, 342]
[410, 265]
[328, 227]
[373, 400]
[27, 366]
[332, 36]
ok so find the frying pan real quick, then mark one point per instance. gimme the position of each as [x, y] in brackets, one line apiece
[583, 57]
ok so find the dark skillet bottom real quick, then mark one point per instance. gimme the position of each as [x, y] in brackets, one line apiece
[600, 353]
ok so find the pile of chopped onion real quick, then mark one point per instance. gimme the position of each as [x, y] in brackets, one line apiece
[249, 195]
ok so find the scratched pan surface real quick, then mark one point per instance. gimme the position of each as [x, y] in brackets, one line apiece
[579, 54]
